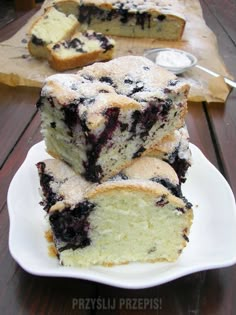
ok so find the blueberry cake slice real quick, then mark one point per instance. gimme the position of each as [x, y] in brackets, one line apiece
[82, 49]
[160, 19]
[99, 224]
[107, 114]
[49, 28]
[175, 150]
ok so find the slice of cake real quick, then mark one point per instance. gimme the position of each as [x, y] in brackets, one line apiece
[82, 49]
[161, 19]
[51, 27]
[174, 149]
[107, 114]
[130, 218]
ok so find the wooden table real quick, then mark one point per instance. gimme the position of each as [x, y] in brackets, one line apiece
[212, 128]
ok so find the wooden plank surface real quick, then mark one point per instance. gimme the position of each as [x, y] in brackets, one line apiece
[224, 12]
[221, 19]
[14, 119]
[21, 18]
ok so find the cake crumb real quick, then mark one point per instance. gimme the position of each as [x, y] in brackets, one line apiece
[48, 235]
[52, 252]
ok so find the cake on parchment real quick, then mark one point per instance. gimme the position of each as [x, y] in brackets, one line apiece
[158, 19]
[108, 114]
[138, 216]
[49, 28]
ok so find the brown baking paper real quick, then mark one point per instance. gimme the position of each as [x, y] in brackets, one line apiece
[17, 67]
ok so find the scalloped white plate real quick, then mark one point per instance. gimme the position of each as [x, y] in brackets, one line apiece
[212, 237]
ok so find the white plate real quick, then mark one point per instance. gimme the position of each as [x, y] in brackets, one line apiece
[212, 237]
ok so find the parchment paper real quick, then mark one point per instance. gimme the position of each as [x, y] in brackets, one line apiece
[17, 67]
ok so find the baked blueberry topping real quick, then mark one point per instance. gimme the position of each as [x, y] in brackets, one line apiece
[119, 176]
[180, 209]
[136, 116]
[37, 41]
[103, 91]
[172, 82]
[161, 17]
[179, 165]
[174, 189]
[186, 237]
[104, 41]
[142, 18]
[39, 103]
[166, 90]
[45, 180]
[106, 80]
[139, 86]
[87, 77]
[56, 46]
[71, 225]
[188, 204]
[123, 126]
[93, 172]
[162, 201]
[70, 115]
[138, 153]
[128, 80]
[75, 43]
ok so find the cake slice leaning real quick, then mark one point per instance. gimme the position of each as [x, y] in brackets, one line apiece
[108, 114]
[51, 27]
[134, 217]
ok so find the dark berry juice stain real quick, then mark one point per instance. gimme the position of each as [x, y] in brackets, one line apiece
[162, 202]
[138, 153]
[37, 41]
[104, 41]
[71, 225]
[161, 17]
[106, 80]
[174, 189]
[93, 171]
[70, 115]
[50, 197]
[142, 19]
[179, 165]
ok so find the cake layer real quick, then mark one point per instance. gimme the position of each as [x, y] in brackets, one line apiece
[49, 28]
[82, 49]
[162, 20]
[137, 216]
[107, 114]
[174, 149]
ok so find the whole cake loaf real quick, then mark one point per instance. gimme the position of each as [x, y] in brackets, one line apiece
[108, 114]
[158, 19]
[140, 215]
